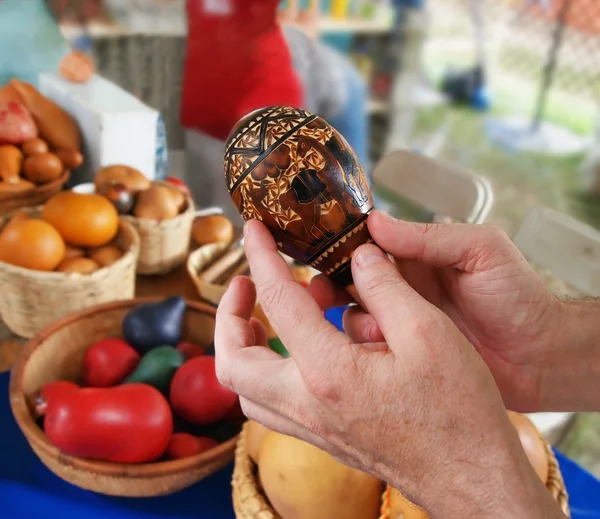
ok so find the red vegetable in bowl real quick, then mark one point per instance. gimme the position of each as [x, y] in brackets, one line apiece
[184, 445]
[190, 350]
[107, 362]
[48, 393]
[123, 424]
[196, 394]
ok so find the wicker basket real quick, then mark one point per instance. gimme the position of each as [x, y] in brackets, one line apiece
[31, 300]
[196, 263]
[14, 201]
[57, 353]
[164, 245]
[249, 502]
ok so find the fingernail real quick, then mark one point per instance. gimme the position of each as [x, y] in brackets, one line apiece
[369, 255]
[245, 229]
[388, 218]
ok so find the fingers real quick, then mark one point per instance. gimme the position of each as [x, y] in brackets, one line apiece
[327, 294]
[292, 312]
[465, 247]
[260, 332]
[234, 313]
[392, 302]
[236, 341]
[362, 327]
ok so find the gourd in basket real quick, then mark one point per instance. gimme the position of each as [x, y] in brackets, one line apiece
[39, 145]
[71, 254]
[279, 477]
[141, 362]
[161, 212]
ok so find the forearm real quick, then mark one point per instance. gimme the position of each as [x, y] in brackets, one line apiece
[570, 378]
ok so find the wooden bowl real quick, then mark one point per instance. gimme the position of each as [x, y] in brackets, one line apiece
[57, 353]
[10, 202]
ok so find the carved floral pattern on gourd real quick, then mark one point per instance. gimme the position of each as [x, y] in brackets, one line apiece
[275, 187]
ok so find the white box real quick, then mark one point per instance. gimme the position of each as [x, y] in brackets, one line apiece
[116, 127]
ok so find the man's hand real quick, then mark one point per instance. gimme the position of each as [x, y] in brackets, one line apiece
[418, 408]
[478, 278]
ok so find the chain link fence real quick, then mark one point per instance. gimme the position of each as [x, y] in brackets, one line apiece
[520, 37]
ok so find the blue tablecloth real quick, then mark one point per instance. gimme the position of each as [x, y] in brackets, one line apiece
[29, 491]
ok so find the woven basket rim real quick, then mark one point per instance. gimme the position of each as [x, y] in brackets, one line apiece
[193, 258]
[554, 484]
[39, 189]
[39, 440]
[41, 275]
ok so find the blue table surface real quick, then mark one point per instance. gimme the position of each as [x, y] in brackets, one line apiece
[30, 491]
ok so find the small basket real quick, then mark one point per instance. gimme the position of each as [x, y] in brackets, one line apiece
[57, 353]
[10, 202]
[249, 502]
[31, 300]
[196, 263]
[164, 245]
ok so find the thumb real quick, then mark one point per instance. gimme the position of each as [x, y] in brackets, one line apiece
[391, 301]
[466, 247]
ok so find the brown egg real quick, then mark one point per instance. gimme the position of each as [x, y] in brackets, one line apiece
[35, 147]
[70, 158]
[532, 443]
[74, 252]
[33, 244]
[178, 196]
[107, 255]
[78, 266]
[156, 203]
[401, 508]
[215, 228]
[133, 179]
[42, 168]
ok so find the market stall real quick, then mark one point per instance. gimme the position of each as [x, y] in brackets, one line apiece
[110, 277]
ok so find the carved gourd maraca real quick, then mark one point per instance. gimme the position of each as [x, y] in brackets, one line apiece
[298, 175]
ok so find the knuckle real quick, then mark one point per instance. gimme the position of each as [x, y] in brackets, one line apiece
[381, 283]
[224, 375]
[487, 250]
[273, 295]
[495, 233]
[323, 389]
[426, 327]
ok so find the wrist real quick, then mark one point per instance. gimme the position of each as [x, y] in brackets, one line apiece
[487, 478]
[504, 484]
[571, 368]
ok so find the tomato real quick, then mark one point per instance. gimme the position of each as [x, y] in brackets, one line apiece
[196, 394]
[16, 123]
[184, 445]
[108, 362]
[122, 424]
[190, 350]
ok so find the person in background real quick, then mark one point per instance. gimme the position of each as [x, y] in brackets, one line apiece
[247, 54]
[333, 86]
[32, 42]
